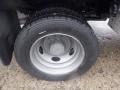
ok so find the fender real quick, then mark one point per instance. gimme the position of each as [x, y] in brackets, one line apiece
[9, 28]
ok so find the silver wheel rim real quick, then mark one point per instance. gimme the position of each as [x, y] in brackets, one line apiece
[57, 54]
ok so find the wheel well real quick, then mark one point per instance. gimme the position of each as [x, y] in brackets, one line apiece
[89, 8]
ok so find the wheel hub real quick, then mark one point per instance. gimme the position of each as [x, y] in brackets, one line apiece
[57, 49]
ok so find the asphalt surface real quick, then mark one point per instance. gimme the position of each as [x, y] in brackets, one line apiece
[104, 75]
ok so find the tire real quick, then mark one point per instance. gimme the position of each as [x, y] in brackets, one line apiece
[37, 40]
[115, 23]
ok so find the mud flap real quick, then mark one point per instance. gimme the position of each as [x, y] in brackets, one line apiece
[9, 27]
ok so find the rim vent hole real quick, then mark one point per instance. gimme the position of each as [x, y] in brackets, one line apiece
[41, 50]
[55, 59]
[71, 51]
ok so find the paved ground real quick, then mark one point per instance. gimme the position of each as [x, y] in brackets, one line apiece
[104, 75]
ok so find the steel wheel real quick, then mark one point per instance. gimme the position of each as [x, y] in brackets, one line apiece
[57, 54]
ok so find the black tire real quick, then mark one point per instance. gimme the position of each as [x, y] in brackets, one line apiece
[65, 24]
